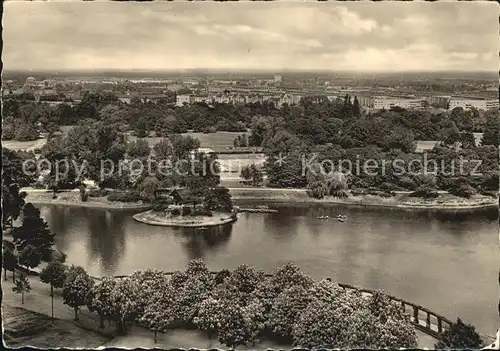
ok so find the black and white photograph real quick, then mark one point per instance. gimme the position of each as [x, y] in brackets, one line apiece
[250, 175]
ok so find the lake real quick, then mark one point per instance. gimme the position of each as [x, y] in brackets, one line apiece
[447, 263]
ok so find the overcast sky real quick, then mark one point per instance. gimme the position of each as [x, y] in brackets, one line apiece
[363, 36]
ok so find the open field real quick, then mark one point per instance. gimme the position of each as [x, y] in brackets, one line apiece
[24, 145]
[220, 141]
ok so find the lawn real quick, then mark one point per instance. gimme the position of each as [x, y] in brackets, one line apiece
[24, 145]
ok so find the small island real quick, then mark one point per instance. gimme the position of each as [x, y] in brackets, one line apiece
[180, 207]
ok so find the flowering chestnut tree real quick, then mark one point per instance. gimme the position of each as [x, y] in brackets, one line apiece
[99, 298]
[76, 288]
[286, 309]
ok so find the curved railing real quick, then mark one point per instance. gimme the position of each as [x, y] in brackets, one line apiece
[427, 321]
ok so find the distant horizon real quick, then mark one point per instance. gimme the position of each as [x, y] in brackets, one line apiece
[246, 71]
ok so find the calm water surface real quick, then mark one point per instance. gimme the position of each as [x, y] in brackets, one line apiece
[448, 263]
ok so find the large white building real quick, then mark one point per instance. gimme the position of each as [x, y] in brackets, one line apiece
[479, 104]
[184, 99]
[386, 102]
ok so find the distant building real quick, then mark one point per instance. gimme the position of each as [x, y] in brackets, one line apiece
[184, 99]
[202, 98]
[440, 101]
[290, 99]
[277, 79]
[174, 87]
[366, 101]
[387, 102]
[468, 103]
[30, 82]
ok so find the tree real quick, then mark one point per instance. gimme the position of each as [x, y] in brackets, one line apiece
[209, 316]
[253, 174]
[234, 330]
[55, 275]
[138, 148]
[286, 309]
[124, 302]
[460, 336]
[76, 288]
[99, 298]
[34, 232]
[157, 318]
[491, 134]
[21, 286]
[148, 188]
[9, 262]
[356, 108]
[30, 256]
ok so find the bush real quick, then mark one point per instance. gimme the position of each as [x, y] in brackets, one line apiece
[176, 212]
[202, 212]
[465, 191]
[425, 192]
[407, 183]
[390, 187]
[124, 196]
[186, 210]
[460, 336]
[358, 192]
[159, 206]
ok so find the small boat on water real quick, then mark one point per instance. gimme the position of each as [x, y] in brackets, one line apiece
[340, 219]
[322, 217]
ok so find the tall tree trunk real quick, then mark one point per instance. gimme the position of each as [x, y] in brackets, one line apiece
[155, 336]
[52, 301]
[4, 273]
[14, 275]
[22, 297]
[101, 325]
[76, 313]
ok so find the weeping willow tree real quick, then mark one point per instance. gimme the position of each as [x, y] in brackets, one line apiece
[321, 183]
[337, 184]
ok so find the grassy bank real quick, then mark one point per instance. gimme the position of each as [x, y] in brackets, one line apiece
[442, 202]
[72, 198]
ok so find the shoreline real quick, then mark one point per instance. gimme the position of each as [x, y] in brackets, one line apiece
[367, 201]
[143, 218]
[292, 196]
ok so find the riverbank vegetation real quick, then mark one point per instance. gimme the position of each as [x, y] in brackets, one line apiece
[332, 130]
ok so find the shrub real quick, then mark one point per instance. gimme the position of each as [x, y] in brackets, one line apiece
[465, 191]
[160, 206]
[97, 192]
[358, 192]
[175, 212]
[202, 212]
[186, 210]
[124, 196]
[425, 192]
[407, 183]
[390, 187]
[460, 336]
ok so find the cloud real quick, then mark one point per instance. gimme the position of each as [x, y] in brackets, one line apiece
[283, 35]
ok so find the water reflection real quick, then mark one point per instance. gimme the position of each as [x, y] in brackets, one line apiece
[106, 242]
[418, 255]
[197, 242]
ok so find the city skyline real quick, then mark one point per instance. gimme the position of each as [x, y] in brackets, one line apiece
[347, 36]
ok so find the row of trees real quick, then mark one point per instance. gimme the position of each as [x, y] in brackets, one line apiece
[244, 306]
